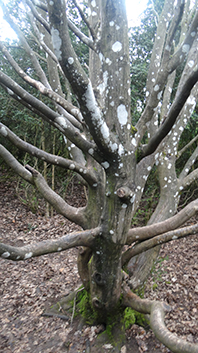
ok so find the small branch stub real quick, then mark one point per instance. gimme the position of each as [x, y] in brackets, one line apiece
[124, 192]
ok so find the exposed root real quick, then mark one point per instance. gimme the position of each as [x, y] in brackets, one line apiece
[156, 310]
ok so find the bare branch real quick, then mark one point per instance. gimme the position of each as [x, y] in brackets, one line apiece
[173, 113]
[183, 51]
[185, 148]
[74, 214]
[86, 40]
[73, 111]
[49, 115]
[144, 306]
[14, 164]
[38, 16]
[158, 240]
[40, 4]
[85, 19]
[82, 238]
[189, 179]
[26, 46]
[190, 162]
[49, 158]
[174, 343]
[157, 312]
[143, 233]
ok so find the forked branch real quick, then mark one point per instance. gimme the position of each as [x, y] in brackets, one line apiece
[173, 113]
[86, 173]
[156, 310]
[84, 238]
[158, 240]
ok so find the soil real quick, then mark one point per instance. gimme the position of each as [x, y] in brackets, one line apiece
[28, 288]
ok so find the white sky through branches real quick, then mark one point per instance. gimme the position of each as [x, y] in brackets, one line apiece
[134, 11]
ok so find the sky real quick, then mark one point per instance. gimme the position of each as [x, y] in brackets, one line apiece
[133, 11]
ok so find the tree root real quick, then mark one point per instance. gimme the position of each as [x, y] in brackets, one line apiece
[156, 310]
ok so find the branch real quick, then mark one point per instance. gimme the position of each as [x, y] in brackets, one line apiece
[93, 34]
[46, 91]
[49, 115]
[13, 163]
[84, 238]
[189, 179]
[190, 162]
[183, 51]
[74, 214]
[29, 174]
[143, 233]
[86, 40]
[158, 240]
[170, 340]
[29, 51]
[185, 148]
[38, 16]
[157, 312]
[173, 113]
[48, 157]
[40, 4]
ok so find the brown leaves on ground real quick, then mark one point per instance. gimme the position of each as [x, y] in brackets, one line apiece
[26, 288]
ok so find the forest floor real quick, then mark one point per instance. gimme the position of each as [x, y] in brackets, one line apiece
[28, 288]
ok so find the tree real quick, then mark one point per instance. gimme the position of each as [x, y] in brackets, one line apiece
[112, 157]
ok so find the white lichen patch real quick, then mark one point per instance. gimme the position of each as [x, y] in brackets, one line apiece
[105, 165]
[111, 23]
[61, 121]
[104, 131]
[134, 142]
[93, 3]
[28, 255]
[186, 48]
[120, 150]
[156, 88]
[3, 131]
[91, 151]
[122, 114]
[113, 146]
[92, 104]
[5, 255]
[124, 205]
[57, 42]
[116, 47]
[70, 60]
[191, 63]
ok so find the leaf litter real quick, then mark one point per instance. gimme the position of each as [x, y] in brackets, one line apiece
[27, 288]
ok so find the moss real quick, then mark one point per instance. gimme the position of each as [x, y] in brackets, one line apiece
[129, 318]
[84, 308]
[124, 318]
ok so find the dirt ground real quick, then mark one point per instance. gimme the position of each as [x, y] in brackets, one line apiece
[27, 288]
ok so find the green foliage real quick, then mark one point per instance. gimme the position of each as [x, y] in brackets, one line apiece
[141, 44]
[129, 318]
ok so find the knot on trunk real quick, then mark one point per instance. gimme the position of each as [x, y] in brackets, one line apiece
[125, 193]
[97, 303]
[98, 278]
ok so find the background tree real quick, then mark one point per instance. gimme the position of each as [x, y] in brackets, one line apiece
[112, 156]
